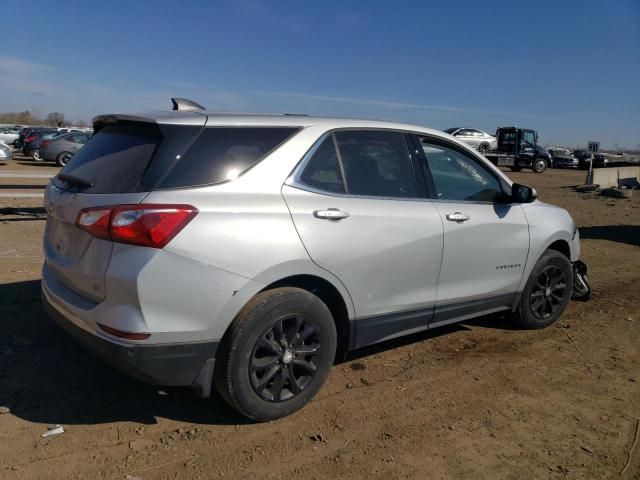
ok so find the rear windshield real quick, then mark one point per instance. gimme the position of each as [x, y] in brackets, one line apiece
[115, 159]
[131, 157]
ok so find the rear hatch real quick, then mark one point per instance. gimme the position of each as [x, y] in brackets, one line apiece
[120, 164]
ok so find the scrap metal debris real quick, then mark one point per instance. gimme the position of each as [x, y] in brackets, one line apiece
[55, 430]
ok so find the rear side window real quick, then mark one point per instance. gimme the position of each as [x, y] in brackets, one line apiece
[376, 163]
[221, 154]
[322, 172]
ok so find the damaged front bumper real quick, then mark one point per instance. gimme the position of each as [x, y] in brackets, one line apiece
[581, 287]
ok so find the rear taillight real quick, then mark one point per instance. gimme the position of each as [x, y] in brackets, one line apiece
[149, 225]
[95, 221]
[30, 138]
[44, 143]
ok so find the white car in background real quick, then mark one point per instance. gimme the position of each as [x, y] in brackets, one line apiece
[481, 141]
[6, 152]
[8, 135]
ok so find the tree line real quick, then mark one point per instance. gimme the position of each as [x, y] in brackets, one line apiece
[55, 119]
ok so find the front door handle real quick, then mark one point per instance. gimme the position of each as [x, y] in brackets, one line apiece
[457, 217]
[330, 214]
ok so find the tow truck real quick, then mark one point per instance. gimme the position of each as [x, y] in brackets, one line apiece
[518, 148]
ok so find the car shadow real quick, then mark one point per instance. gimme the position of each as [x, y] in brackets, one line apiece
[45, 377]
[629, 234]
[16, 186]
[37, 164]
[22, 214]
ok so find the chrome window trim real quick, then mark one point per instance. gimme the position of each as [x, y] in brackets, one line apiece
[293, 180]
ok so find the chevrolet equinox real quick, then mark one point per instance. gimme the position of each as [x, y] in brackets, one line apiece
[244, 253]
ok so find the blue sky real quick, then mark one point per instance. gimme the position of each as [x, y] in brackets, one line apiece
[570, 69]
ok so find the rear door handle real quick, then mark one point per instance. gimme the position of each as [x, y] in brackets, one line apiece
[330, 214]
[457, 217]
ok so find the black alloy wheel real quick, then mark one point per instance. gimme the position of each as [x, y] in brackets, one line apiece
[276, 354]
[548, 292]
[282, 361]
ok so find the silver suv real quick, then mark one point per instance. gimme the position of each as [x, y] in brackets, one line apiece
[247, 252]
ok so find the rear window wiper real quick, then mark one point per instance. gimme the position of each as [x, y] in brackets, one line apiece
[72, 179]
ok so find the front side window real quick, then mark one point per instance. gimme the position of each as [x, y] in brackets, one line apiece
[376, 163]
[459, 177]
[528, 138]
[322, 172]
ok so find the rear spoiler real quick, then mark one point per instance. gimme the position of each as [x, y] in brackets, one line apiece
[173, 117]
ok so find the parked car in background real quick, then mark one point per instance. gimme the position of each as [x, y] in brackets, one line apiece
[8, 135]
[600, 160]
[31, 147]
[60, 149]
[584, 158]
[6, 152]
[25, 135]
[563, 158]
[481, 141]
[205, 249]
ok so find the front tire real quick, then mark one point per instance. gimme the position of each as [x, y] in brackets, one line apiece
[547, 292]
[277, 354]
[63, 158]
[539, 165]
[483, 147]
[35, 154]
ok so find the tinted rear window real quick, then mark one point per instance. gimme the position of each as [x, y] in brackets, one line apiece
[115, 159]
[222, 153]
[131, 157]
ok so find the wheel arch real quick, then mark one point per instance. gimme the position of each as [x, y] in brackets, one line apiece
[332, 298]
[561, 246]
[560, 241]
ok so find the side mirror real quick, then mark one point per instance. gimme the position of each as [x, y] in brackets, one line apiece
[522, 194]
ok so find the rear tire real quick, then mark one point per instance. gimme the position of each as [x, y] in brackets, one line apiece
[547, 292]
[276, 354]
[63, 158]
[539, 165]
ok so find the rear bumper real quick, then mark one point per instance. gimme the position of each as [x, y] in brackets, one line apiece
[180, 364]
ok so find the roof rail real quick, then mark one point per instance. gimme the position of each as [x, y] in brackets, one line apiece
[186, 105]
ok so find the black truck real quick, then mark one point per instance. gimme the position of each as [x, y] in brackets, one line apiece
[518, 148]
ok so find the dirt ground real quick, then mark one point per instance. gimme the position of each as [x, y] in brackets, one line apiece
[478, 400]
